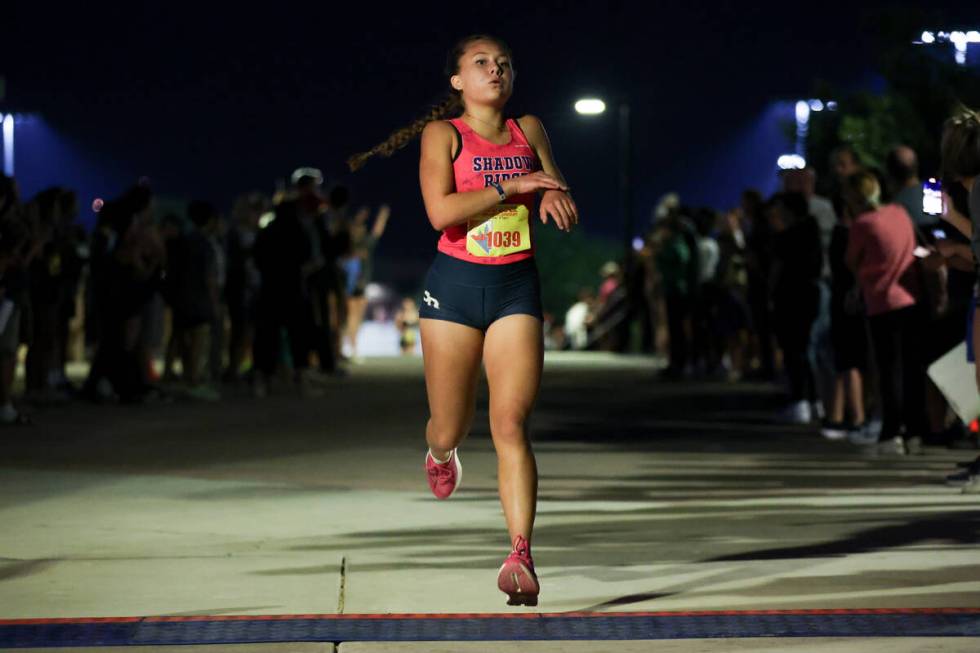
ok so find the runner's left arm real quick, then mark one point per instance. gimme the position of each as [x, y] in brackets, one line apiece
[557, 204]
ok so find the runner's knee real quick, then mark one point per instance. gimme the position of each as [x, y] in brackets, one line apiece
[446, 434]
[508, 427]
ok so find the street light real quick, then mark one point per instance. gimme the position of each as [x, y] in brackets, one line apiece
[590, 106]
[8, 145]
[594, 107]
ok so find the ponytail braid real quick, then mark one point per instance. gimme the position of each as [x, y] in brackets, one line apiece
[399, 138]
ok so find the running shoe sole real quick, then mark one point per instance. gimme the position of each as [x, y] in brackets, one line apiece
[518, 583]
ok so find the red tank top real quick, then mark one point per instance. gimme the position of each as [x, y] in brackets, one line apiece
[478, 163]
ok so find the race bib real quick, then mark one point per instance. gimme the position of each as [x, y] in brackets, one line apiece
[499, 231]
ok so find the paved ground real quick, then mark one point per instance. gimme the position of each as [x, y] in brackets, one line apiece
[654, 497]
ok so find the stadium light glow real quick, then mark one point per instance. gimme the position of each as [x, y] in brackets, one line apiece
[791, 162]
[590, 106]
[960, 40]
[8, 145]
[802, 112]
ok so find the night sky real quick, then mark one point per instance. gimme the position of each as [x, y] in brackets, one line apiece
[209, 102]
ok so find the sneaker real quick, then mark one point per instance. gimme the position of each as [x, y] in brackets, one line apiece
[444, 477]
[862, 437]
[834, 430]
[797, 412]
[972, 486]
[817, 410]
[913, 445]
[892, 446]
[960, 478]
[202, 393]
[516, 578]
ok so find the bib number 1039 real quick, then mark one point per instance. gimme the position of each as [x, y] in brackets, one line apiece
[499, 231]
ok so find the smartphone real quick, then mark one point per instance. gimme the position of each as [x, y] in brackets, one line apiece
[932, 197]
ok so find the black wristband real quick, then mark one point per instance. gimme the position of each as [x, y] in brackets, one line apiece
[500, 190]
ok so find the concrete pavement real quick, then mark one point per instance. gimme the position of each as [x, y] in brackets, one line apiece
[654, 497]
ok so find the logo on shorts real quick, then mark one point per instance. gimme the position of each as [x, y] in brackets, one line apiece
[430, 300]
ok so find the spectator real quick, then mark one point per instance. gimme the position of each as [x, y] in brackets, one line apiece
[172, 233]
[216, 236]
[578, 318]
[359, 266]
[733, 318]
[193, 292]
[407, 322]
[794, 279]
[961, 167]
[131, 264]
[674, 261]
[70, 246]
[285, 260]
[242, 282]
[323, 276]
[758, 263]
[611, 323]
[820, 350]
[844, 162]
[44, 283]
[707, 349]
[14, 241]
[880, 252]
[902, 167]
[848, 331]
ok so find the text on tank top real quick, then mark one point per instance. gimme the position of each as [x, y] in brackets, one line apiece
[503, 233]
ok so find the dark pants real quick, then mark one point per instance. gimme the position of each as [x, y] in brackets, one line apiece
[322, 334]
[276, 314]
[793, 326]
[898, 346]
[758, 301]
[117, 360]
[678, 313]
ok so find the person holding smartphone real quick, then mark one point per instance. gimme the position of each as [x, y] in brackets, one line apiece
[960, 149]
[961, 164]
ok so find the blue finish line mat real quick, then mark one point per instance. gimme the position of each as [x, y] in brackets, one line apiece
[142, 631]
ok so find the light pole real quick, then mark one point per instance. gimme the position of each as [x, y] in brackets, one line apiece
[595, 107]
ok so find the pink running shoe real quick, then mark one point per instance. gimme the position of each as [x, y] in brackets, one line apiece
[517, 578]
[444, 477]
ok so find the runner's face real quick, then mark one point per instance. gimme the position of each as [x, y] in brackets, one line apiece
[485, 74]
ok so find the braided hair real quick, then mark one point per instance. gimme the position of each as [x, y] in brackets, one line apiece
[450, 106]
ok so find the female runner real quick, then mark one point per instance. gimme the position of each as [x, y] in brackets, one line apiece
[479, 174]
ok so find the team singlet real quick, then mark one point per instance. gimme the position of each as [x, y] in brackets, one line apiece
[502, 233]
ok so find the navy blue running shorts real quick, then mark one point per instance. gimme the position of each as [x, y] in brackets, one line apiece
[477, 295]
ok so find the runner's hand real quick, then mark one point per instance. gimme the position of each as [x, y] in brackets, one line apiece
[534, 182]
[561, 207]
